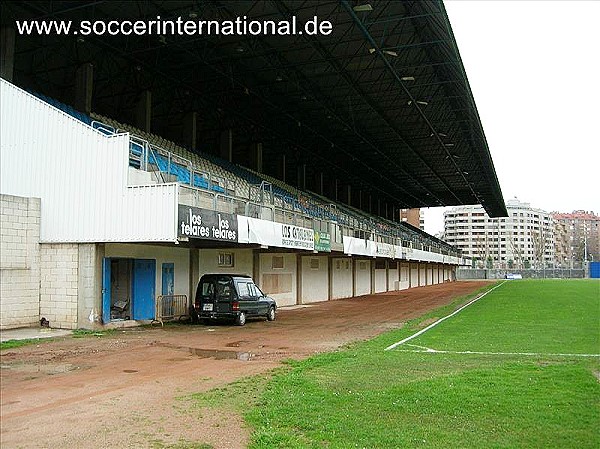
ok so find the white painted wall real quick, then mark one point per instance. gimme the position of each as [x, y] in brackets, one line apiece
[362, 277]
[341, 273]
[286, 275]
[79, 174]
[422, 275]
[429, 273]
[436, 274]
[243, 262]
[414, 275]
[380, 280]
[180, 257]
[404, 276]
[315, 282]
[393, 274]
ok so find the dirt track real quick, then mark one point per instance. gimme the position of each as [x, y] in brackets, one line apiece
[120, 390]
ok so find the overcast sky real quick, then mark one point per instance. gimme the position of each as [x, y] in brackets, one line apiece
[534, 69]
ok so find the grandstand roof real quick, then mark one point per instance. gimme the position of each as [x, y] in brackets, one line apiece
[382, 104]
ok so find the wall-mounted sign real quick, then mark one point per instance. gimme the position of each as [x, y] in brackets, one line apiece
[196, 223]
[269, 233]
[322, 241]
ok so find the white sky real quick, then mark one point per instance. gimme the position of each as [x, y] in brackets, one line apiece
[534, 69]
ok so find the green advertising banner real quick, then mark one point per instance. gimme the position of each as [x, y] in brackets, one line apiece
[322, 241]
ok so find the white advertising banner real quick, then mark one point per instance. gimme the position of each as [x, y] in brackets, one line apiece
[359, 247]
[385, 250]
[270, 233]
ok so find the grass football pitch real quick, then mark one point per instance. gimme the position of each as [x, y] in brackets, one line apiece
[519, 368]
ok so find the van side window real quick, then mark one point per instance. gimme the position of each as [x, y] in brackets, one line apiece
[242, 288]
[252, 290]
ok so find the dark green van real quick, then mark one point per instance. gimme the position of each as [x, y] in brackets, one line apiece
[230, 296]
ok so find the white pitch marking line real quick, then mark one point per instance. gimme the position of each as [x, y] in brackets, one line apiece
[536, 354]
[422, 331]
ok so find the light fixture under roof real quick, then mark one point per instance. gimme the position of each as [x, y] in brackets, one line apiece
[363, 8]
[278, 78]
[408, 78]
[424, 103]
[449, 144]
[391, 53]
[371, 50]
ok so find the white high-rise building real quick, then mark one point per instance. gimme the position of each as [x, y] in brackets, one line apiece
[524, 239]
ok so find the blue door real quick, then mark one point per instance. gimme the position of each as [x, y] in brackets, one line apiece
[168, 278]
[106, 290]
[143, 288]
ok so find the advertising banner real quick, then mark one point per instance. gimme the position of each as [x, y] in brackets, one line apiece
[196, 223]
[359, 247]
[322, 241]
[269, 233]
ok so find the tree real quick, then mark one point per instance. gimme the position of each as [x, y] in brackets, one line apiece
[526, 264]
[539, 240]
[511, 264]
[516, 249]
[489, 262]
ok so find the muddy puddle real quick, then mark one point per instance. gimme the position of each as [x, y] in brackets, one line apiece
[217, 354]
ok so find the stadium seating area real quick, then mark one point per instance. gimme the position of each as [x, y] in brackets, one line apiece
[171, 162]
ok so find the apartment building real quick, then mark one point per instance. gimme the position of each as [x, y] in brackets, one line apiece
[578, 237]
[524, 239]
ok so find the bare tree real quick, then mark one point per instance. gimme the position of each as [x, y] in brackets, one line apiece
[539, 240]
[481, 249]
[516, 249]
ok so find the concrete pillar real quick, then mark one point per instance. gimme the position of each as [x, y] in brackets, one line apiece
[7, 53]
[329, 277]
[256, 157]
[370, 204]
[226, 147]
[144, 111]
[190, 129]
[89, 285]
[194, 271]
[298, 279]
[84, 87]
[379, 207]
[372, 263]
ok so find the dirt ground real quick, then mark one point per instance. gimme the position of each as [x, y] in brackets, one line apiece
[121, 390]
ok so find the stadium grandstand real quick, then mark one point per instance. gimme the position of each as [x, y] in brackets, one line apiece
[132, 165]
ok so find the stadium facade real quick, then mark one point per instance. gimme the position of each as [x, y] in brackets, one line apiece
[103, 222]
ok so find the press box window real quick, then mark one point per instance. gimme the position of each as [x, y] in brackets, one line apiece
[226, 260]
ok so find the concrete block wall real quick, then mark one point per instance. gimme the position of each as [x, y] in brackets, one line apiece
[19, 261]
[59, 284]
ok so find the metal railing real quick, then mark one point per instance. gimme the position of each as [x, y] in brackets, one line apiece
[262, 201]
[171, 307]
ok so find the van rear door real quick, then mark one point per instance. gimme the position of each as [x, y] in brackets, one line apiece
[225, 294]
[205, 296]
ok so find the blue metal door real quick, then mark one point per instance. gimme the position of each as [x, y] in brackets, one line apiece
[168, 278]
[106, 290]
[143, 288]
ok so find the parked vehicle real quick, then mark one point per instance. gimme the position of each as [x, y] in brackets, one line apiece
[230, 296]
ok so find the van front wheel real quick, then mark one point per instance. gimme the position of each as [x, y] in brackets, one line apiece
[241, 319]
[271, 314]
